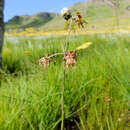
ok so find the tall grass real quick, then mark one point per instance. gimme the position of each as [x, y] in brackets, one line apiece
[30, 97]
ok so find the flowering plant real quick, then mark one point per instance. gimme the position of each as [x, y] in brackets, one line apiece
[69, 57]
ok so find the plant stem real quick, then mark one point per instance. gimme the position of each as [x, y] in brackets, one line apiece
[68, 37]
[64, 76]
[62, 100]
[55, 55]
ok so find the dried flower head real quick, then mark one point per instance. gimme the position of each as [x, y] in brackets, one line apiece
[45, 61]
[70, 59]
[66, 13]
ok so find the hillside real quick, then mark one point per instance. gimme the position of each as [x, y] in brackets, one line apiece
[95, 11]
[26, 21]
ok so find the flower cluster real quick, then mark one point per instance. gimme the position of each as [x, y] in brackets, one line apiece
[79, 19]
[70, 59]
[45, 61]
[67, 15]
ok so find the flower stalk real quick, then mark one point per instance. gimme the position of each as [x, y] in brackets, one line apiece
[64, 74]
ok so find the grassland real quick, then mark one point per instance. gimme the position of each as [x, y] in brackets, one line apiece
[97, 93]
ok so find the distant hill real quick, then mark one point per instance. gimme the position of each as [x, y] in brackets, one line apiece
[92, 10]
[26, 21]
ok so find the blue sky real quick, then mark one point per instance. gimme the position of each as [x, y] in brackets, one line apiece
[21, 7]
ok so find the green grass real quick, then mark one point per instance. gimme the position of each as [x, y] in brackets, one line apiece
[30, 97]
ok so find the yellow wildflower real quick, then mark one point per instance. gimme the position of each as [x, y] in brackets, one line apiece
[84, 46]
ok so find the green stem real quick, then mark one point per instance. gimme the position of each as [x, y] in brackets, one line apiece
[62, 100]
[64, 77]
